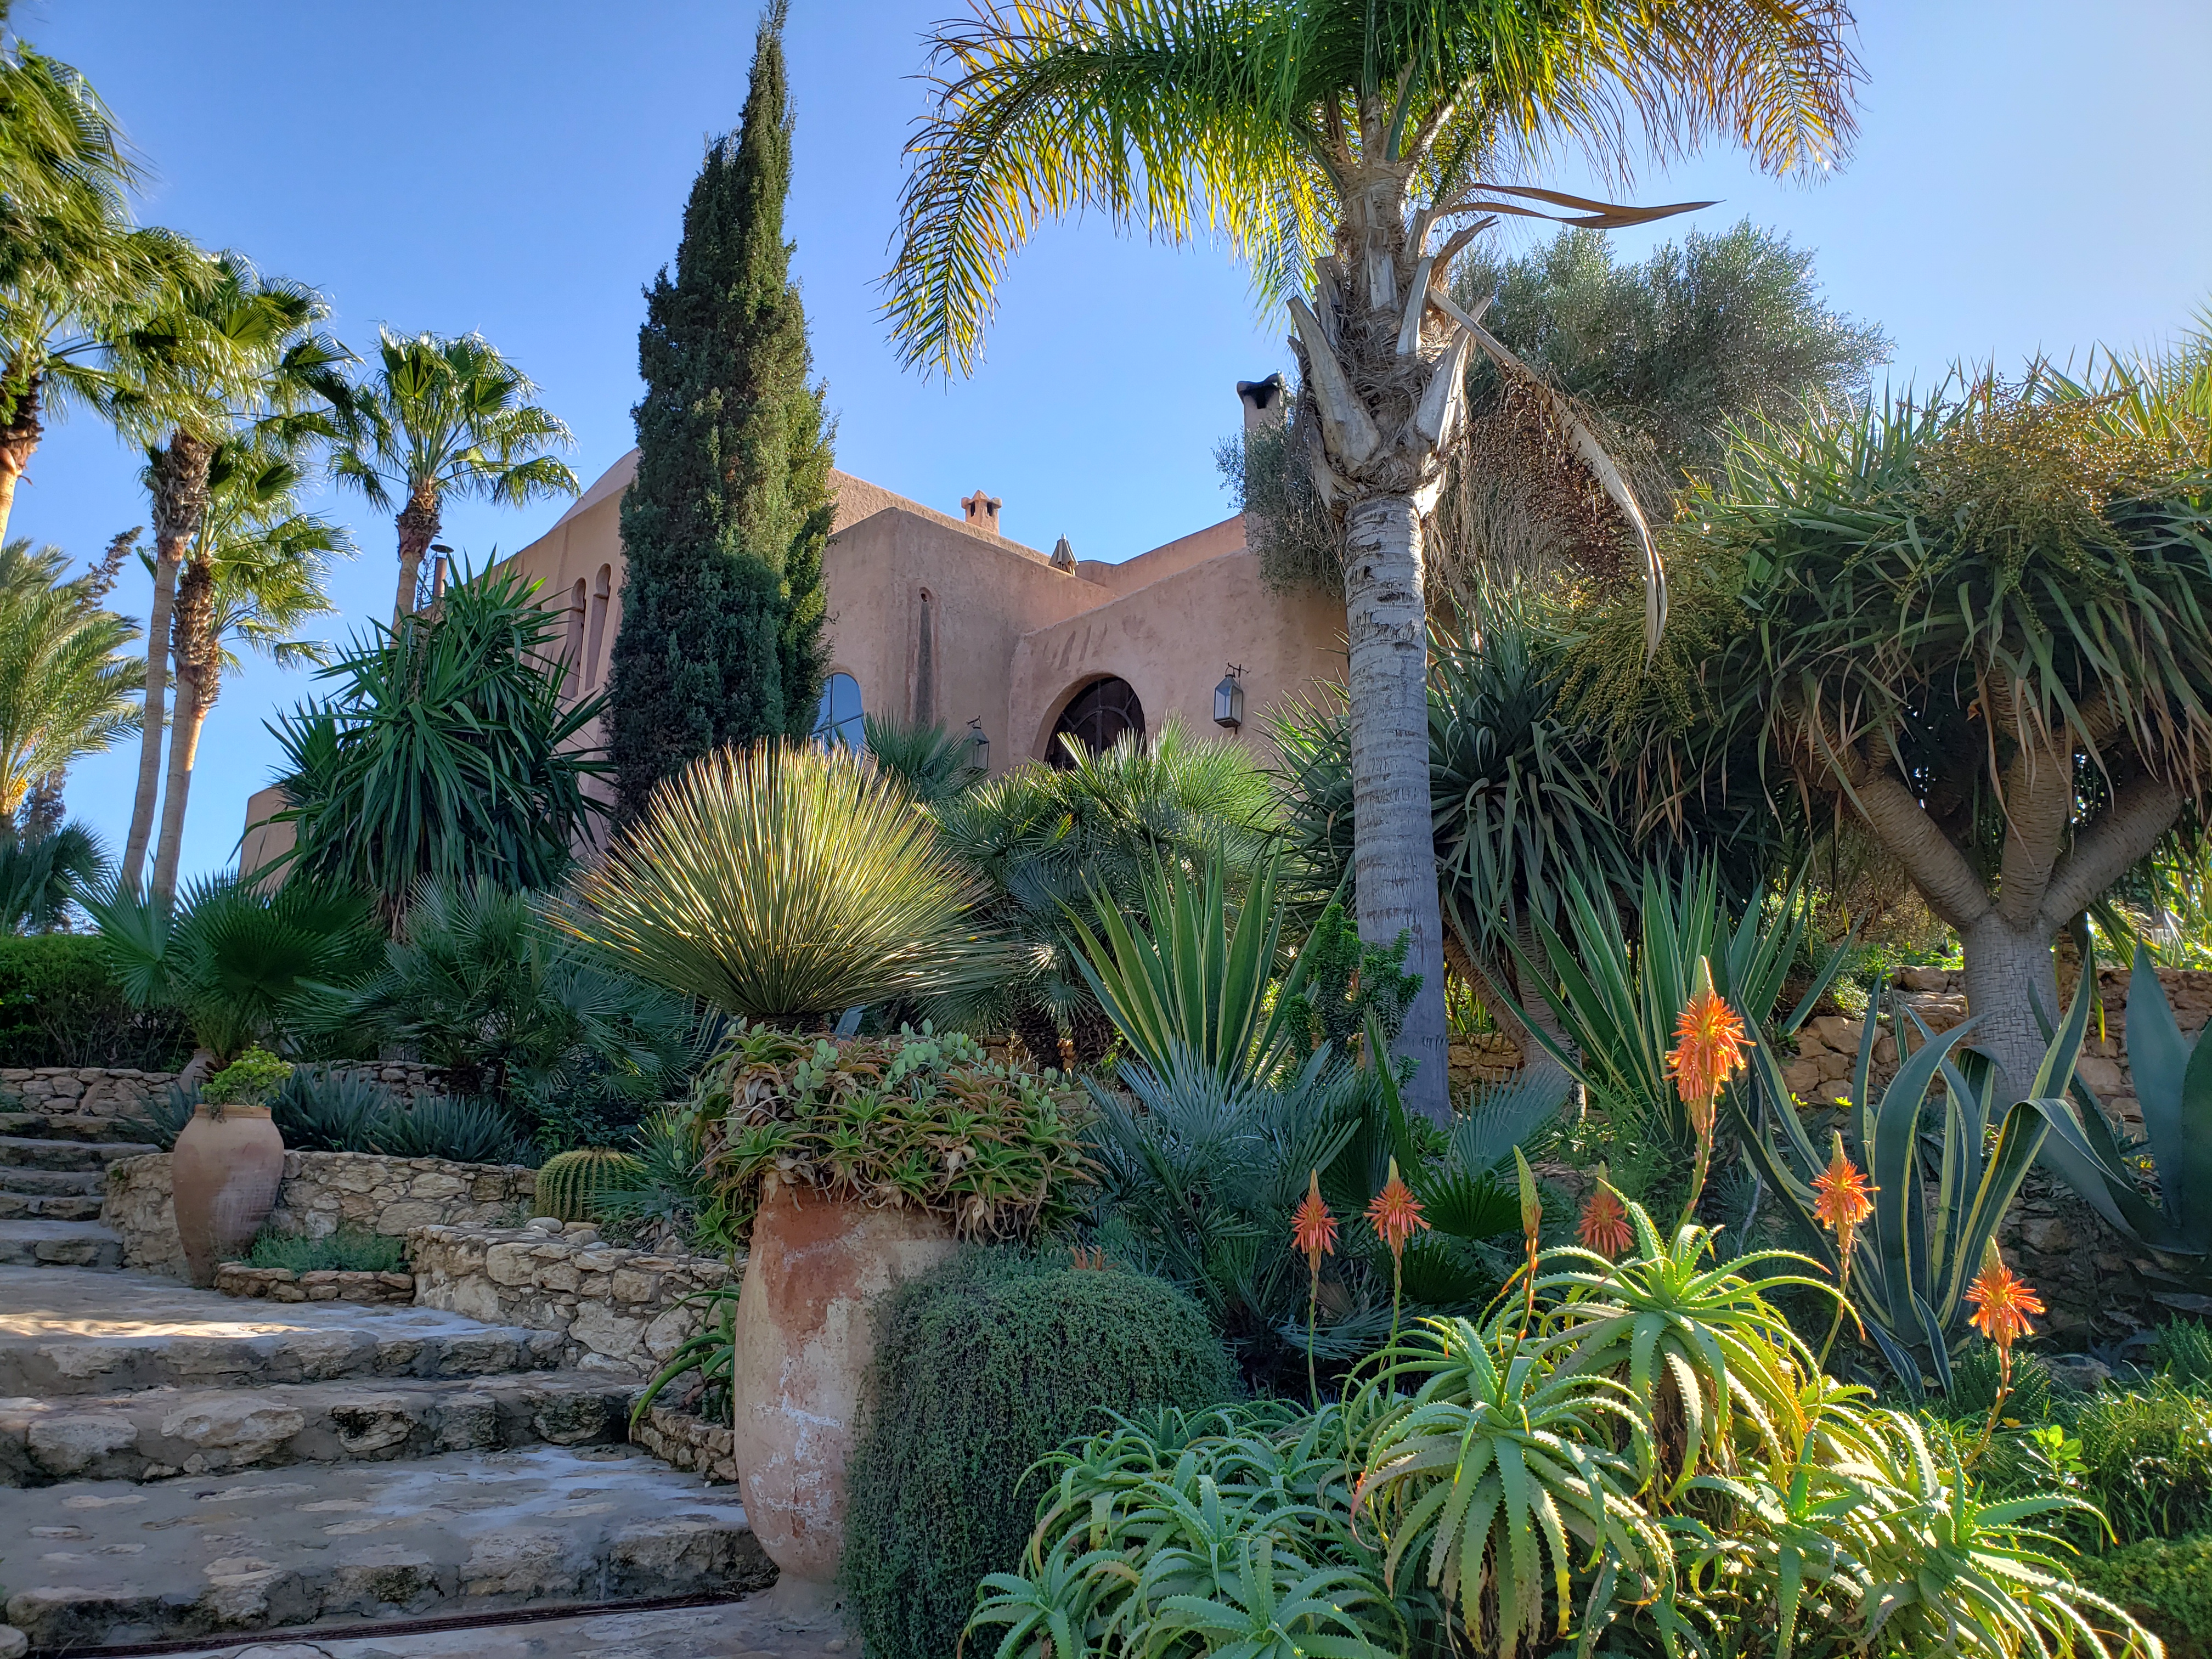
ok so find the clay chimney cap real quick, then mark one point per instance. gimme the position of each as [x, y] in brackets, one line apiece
[1259, 394]
[983, 510]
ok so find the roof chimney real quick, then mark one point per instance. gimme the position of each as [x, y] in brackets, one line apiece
[1263, 402]
[1063, 555]
[982, 511]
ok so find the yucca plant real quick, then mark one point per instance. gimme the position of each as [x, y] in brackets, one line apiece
[1497, 1482]
[569, 1184]
[1937, 1199]
[787, 883]
[1196, 978]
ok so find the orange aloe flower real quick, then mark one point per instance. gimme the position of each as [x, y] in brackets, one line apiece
[1605, 1226]
[1395, 1213]
[1709, 1045]
[1843, 1196]
[1313, 1229]
[2002, 1301]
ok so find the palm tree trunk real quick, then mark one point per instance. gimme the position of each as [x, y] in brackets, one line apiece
[197, 668]
[181, 499]
[418, 528]
[18, 438]
[1386, 688]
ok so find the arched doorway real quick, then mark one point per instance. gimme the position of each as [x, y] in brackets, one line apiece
[1095, 717]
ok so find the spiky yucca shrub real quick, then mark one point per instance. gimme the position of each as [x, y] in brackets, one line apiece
[784, 883]
[569, 1183]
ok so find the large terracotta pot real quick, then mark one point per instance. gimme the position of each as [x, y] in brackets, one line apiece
[805, 1336]
[223, 1173]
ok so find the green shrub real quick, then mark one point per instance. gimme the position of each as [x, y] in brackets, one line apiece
[163, 1117]
[569, 1183]
[984, 1367]
[2148, 1457]
[60, 1005]
[2183, 1350]
[449, 1127]
[344, 1251]
[250, 1080]
[2167, 1583]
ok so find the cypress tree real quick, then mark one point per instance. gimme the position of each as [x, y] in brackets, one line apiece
[723, 528]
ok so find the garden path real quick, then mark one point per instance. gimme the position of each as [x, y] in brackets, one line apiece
[52, 1167]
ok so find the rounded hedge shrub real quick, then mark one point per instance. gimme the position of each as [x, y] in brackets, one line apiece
[983, 1367]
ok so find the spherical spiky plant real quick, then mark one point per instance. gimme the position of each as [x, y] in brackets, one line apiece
[568, 1182]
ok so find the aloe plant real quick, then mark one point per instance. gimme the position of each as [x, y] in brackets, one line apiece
[2172, 1080]
[1938, 1198]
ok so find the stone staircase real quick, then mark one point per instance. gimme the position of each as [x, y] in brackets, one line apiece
[53, 1165]
[177, 1464]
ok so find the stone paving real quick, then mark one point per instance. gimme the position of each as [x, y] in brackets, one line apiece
[729, 1630]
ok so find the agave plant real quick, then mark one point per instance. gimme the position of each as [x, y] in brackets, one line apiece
[1496, 1478]
[787, 883]
[1937, 1200]
[1197, 978]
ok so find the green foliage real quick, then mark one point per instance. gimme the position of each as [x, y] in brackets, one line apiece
[445, 754]
[513, 1006]
[1195, 979]
[785, 883]
[664, 1197]
[1346, 982]
[569, 1184]
[61, 1005]
[2146, 1459]
[317, 1109]
[250, 1080]
[41, 874]
[929, 764]
[66, 687]
[1935, 1212]
[2172, 1076]
[240, 964]
[2167, 1583]
[2181, 1348]
[984, 1367]
[163, 1117]
[923, 1121]
[1042, 841]
[450, 1126]
[709, 1354]
[723, 530]
[344, 1251]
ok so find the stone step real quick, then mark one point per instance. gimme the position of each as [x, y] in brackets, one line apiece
[748, 1627]
[56, 1183]
[67, 1126]
[59, 1244]
[94, 1563]
[36, 1206]
[154, 1433]
[28, 1152]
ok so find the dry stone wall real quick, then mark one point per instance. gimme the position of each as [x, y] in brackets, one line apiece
[617, 1308]
[322, 1192]
[84, 1091]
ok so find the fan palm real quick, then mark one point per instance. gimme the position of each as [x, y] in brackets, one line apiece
[65, 685]
[438, 418]
[221, 351]
[255, 574]
[39, 874]
[1330, 140]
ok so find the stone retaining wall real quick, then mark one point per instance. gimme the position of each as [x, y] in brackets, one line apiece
[321, 1193]
[84, 1091]
[618, 1307]
[322, 1285]
[686, 1441]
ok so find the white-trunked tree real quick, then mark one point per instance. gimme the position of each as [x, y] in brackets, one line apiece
[1351, 150]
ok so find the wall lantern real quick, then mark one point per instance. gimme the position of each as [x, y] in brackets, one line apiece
[979, 748]
[1228, 699]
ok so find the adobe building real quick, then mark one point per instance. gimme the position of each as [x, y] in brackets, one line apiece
[937, 619]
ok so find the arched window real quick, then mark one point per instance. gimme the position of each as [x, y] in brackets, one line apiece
[573, 648]
[1099, 713]
[837, 720]
[602, 585]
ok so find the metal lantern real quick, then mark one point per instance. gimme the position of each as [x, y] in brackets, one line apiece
[1228, 700]
[979, 748]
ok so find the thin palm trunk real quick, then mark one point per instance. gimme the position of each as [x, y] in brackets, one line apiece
[195, 649]
[18, 439]
[180, 500]
[1387, 683]
[418, 528]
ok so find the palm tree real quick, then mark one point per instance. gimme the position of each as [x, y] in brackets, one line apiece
[223, 352]
[438, 417]
[1334, 142]
[65, 684]
[255, 574]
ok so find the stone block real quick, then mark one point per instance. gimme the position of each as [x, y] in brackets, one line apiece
[70, 1445]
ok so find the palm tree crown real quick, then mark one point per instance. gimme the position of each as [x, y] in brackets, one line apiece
[438, 417]
[65, 686]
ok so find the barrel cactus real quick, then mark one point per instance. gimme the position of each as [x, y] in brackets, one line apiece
[569, 1181]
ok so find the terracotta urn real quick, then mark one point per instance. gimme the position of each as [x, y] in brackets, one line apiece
[805, 1337]
[223, 1174]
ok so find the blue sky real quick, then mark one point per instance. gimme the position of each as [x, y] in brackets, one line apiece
[2030, 178]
